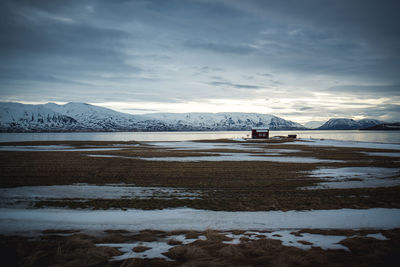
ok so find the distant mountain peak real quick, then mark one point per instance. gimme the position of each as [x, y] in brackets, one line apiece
[348, 124]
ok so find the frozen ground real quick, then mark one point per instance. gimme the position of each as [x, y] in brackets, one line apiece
[27, 220]
[356, 177]
[85, 191]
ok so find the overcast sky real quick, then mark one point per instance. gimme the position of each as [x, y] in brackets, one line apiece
[300, 60]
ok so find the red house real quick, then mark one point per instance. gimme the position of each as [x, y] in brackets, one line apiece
[259, 133]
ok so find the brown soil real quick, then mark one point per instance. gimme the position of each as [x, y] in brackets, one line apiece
[140, 248]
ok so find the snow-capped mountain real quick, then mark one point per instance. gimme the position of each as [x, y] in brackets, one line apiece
[348, 124]
[95, 117]
[16, 117]
[222, 121]
[19, 117]
[366, 123]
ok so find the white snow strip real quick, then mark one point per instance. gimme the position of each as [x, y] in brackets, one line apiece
[85, 191]
[186, 145]
[228, 157]
[35, 148]
[337, 143]
[371, 183]
[384, 154]
[55, 148]
[108, 156]
[241, 157]
[367, 177]
[286, 150]
[238, 139]
[26, 220]
[126, 145]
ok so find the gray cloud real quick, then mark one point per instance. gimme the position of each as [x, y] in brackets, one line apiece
[239, 86]
[220, 47]
[99, 50]
[369, 89]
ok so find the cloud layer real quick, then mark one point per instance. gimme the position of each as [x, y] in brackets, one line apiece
[303, 60]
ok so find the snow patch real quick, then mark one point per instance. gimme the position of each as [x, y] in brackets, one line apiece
[241, 157]
[384, 154]
[85, 191]
[366, 177]
[337, 143]
[288, 238]
[155, 251]
[378, 236]
[55, 148]
[291, 240]
[186, 145]
[157, 248]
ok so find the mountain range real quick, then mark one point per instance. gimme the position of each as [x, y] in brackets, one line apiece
[50, 117]
[17, 117]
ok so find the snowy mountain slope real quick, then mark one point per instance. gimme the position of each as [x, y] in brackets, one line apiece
[348, 124]
[84, 117]
[223, 121]
[366, 123]
[95, 117]
[20, 117]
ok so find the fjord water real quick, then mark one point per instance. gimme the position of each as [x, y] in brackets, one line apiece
[347, 135]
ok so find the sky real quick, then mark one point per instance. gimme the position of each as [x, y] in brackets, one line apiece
[300, 60]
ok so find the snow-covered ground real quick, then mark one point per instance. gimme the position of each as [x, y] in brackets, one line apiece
[356, 177]
[384, 154]
[287, 237]
[84, 191]
[156, 248]
[271, 224]
[187, 145]
[27, 220]
[337, 143]
[62, 148]
[17, 220]
[243, 157]
[260, 153]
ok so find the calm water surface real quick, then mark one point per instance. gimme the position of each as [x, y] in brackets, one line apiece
[362, 136]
